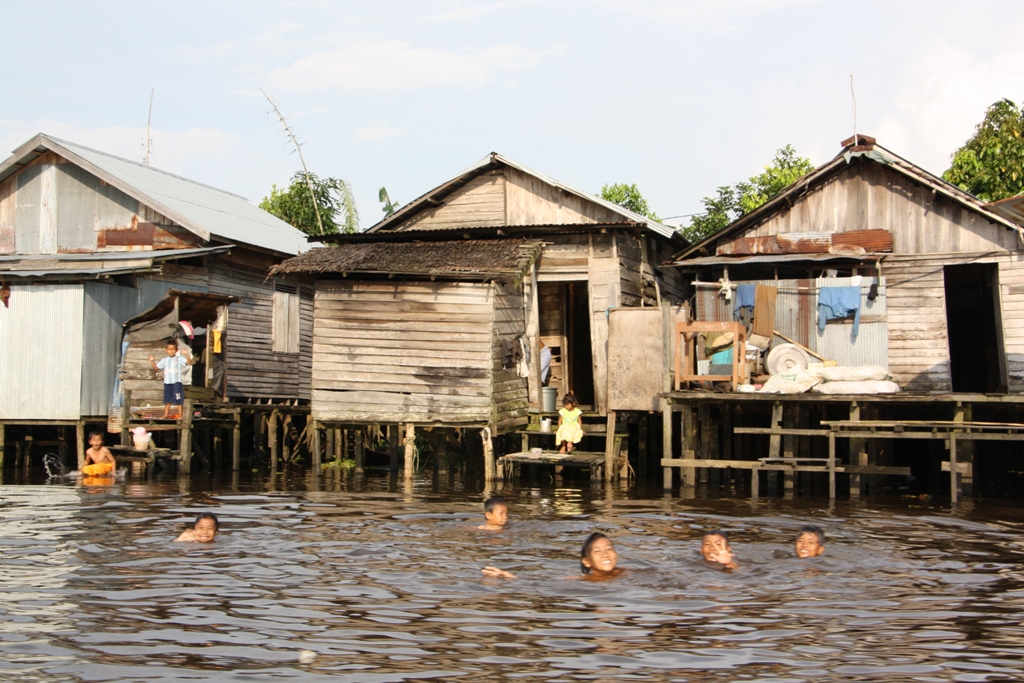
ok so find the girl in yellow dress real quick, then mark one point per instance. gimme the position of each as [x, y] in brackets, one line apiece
[570, 431]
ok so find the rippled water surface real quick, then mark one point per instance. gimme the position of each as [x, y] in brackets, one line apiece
[386, 586]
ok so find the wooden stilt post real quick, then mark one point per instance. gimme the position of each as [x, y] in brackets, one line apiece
[441, 452]
[272, 440]
[703, 450]
[3, 437]
[339, 452]
[329, 437]
[858, 455]
[393, 436]
[965, 450]
[257, 436]
[691, 444]
[410, 447]
[218, 447]
[666, 443]
[315, 446]
[609, 448]
[186, 437]
[954, 474]
[126, 418]
[62, 445]
[789, 418]
[236, 442]
[489, 464]
[27, 461]
[831, 466]
[360, 452]
[80, 443]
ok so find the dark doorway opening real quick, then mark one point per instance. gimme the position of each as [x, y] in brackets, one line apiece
[580, 357]
[975, 332]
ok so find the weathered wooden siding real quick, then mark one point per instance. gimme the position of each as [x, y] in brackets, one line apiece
[565, 257]
[918, 340]
[481, 202]
[403, 352]
[671, 281]
[509, 390]
[254, 370]
[629, 252]
[868, 195]
[531, 201]
[7, 208]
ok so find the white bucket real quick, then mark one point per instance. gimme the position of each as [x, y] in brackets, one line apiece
[545, 425]
[142, 442]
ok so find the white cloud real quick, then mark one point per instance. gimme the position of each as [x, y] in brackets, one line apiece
[946, 91]
[375, 133]
[194, 55]
[476, 11]
[704, 13]
[392, 65]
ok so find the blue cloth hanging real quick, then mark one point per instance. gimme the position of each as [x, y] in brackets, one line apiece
[838, 302]
[744, 299]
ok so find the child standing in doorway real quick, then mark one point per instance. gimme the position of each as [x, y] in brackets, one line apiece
[172, 367]
[570, 431]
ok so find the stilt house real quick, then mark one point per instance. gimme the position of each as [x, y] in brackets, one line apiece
[90, 242]
[941, 273]
[438, 314]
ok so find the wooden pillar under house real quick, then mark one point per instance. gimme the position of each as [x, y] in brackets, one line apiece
[329, 439]
[393, 436]
[185, 437]
[610, 442]
[339, 452]
[858, 455]
[272, 439]
[236, 442]
[789, 421]
[704, 448]
[410, 449]
[3, 439]
[441, 452]
[691, 444]
[489, 464]
[27, 454]
[965, 449]
[666, 443]
[775, 446]
[80, 443]
[315, 446]
[126, 418]
[218, 447]
[360, 453]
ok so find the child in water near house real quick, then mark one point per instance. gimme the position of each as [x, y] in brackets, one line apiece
[810, 541]
[495, 514]
[172, 367]
[98, 459]
[714, 548]
[203, 530]
[598, 561]
[570, 431]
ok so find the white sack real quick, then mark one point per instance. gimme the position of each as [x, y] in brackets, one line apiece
[867, 387]
[852, 373]
[795, 381]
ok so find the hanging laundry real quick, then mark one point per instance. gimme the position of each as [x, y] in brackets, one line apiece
[744, 299]
[216, 334]
[838, 302]
[186, 327]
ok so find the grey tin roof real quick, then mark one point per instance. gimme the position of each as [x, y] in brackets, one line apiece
[206, 211]
[96, 264]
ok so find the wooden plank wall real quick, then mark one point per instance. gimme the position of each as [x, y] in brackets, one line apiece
[552, 330]
[671, 281]
[254, 370]
[481, 202]
[409, 351]
[531, 201]
[918, 341]
[868, 195]
[509, 390]
[630, 255]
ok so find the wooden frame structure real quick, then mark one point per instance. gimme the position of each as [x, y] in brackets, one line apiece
[685, 361]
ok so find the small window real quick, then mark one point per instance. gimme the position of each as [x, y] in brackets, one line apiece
[286, 319]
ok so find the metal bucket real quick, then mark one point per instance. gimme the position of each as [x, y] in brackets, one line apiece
[549, 399]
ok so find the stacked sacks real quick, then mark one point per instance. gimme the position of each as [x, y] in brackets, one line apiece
[865, 379]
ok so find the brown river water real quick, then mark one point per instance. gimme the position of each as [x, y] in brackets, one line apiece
[375, 586]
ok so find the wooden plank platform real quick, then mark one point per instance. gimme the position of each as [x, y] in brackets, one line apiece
[594, 460]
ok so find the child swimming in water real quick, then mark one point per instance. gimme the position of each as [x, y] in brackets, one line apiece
[495, 514]
[98, 460]
[715, 549]
[203, 530]
[598, 561]
[810, 541]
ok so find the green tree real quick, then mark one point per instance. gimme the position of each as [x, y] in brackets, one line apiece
[733, 201]
[628, 197]
[990, 165]
[294, 205]
[389, 206]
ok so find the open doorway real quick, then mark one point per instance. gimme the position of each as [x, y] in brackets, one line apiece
[564, 309]
[973, 322]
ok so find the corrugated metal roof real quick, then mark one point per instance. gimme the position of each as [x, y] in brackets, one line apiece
[495, 159]
[94, 265]
[1011, 208]
[204, 210]
[770, 258]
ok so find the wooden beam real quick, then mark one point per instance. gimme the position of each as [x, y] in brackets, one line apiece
[79, 442]
[236, 444]
[314, 447]
[410, 447]
[666, 444]
[609, 447]
[272, 439]
[186, 435]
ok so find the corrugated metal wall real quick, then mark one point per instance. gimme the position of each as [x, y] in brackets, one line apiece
[106, 308]
[41, 352]
[796, 317]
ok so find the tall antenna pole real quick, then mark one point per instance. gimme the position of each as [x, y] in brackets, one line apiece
[298, 148]
[149, 120]
[853, 96]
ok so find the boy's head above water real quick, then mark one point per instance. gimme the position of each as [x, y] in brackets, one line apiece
[495, 511]
[715, 547]
[810, 541]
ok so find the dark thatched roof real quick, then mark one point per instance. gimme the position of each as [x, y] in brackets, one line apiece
[499, 259]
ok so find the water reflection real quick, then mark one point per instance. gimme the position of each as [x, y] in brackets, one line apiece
[383, 584]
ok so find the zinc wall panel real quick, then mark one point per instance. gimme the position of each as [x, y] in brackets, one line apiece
[105, 309]
[871, 345]
[41, 363]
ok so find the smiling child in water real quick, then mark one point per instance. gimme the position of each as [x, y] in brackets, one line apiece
[203, 530]
[715, 550]
[598, 561]
[810, 541]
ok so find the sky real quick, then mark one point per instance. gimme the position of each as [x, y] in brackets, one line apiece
[678, 97]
